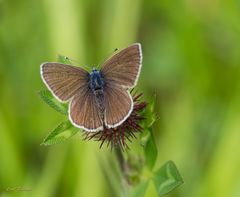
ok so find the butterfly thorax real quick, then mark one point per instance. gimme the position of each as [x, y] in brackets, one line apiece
[96, 80]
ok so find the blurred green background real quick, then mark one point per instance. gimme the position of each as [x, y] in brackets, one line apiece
[191, 58]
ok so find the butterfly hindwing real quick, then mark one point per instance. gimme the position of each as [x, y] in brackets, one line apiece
[84, 112]
[63, 80]
[124, 67]
[118, 105]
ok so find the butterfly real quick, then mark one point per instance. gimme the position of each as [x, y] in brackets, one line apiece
[101, 98]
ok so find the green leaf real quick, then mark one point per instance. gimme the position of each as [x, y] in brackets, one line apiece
[61, 133]
[48, 98]
[149, 113]
[63, 59]
[139, 190]
[150, 150]
[167, 178]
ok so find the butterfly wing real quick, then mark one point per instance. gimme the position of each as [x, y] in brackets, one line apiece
[118, 105]
[124, 67]
[69, 82]
[63, 80]
[120, 72]
[84, 112]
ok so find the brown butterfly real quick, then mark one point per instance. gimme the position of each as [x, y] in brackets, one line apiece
[100, 98]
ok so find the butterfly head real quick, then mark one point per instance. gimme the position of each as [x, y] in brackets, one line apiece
[96, 80]
[94, 69]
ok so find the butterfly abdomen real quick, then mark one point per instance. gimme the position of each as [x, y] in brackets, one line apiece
[99, 95]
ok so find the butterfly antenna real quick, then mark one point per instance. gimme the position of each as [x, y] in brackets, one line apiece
[70, 60]
[104, 59]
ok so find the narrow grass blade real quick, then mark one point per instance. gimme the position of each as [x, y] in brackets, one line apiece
[48, 98]
[60, 134]
[150, 150]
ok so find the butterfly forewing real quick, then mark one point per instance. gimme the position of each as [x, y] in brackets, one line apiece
[64, 81]
[124, 67]
[84, 112]
[118, 105]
